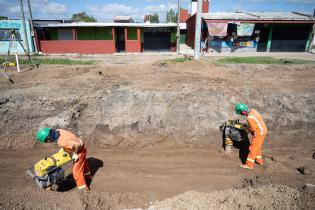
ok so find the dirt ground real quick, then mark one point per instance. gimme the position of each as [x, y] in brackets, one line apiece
[152, 130]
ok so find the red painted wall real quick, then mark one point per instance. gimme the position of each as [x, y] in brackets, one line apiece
[133, 45]
[183, 15]
[205, 6]
[78, 46]
[191, 28]
[173, 47]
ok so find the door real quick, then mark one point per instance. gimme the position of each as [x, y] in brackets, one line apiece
[157, 41]
[120, 39]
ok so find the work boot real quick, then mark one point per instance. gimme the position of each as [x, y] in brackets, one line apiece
[246, 166]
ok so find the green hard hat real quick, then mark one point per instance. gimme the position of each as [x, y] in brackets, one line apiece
[42, 134]
[240, 107]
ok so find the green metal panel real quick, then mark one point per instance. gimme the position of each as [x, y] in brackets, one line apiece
[132, 33]
[103, 34]
[308, 41]
[53, 34]
[173, 37]
[269, 38]
[86, 33]
[183, 38]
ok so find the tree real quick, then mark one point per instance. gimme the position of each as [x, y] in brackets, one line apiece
[82, 17]
[154, 18]
[3, 18]
[171, 16]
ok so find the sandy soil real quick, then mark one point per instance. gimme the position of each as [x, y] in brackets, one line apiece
[138, 165]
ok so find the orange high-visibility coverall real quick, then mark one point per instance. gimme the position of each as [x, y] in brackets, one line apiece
[259, 130]
[68, 141]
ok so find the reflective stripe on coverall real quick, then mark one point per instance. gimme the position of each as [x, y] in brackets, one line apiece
[68, 141]
[259, 129]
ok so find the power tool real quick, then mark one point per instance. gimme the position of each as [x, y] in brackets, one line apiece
[233, 130]
[49, 171]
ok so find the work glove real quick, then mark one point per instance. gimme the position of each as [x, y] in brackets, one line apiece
[75, 157]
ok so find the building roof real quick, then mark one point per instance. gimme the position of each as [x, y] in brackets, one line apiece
[123, 19]
[288, 16]
[99, 24]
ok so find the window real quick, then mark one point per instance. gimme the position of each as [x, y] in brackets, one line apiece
[65, 34]
[5, 34]
[87, 33]
[104, 34]
[132, 34]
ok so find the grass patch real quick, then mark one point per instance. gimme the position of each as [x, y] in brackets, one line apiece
[38, 61]
[261, 60]
[180, 60]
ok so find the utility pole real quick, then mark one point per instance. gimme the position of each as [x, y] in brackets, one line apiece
[24, 29]
[178, 28]
[32, 26]
[198, 30]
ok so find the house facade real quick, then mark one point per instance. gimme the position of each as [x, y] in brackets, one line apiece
[6, 29]
[253, 32]
[107, 38]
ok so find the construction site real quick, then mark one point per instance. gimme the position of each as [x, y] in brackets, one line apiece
[205, 110]
[151, 124]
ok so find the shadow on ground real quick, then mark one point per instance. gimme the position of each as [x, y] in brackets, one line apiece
[69, 183]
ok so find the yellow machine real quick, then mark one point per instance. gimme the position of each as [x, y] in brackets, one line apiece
[48, 171]
[9, 64]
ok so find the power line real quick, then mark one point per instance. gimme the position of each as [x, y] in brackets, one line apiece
[4, 6]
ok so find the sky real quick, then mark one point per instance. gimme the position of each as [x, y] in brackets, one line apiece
[105, 10]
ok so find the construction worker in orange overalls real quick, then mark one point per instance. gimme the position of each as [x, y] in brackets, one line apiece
[259, 131]
[74, 146]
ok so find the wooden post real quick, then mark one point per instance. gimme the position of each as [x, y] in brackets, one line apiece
[74, 34]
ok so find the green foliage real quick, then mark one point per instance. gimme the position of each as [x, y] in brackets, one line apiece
[181, 60]
[3, 18]
[82, 17]
[261, 60]
[154, 18]
[171, 16]
[177, 60]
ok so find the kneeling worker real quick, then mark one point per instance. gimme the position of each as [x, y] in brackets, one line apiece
[259, 131]
[74, 146]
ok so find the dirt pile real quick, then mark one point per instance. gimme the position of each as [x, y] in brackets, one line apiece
[266, 197]
[29, 198]
[190, 99]
[153, 132]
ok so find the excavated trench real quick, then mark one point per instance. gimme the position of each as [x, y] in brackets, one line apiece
[150, 125]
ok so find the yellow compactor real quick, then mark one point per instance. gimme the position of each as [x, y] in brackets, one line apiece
[49, 171]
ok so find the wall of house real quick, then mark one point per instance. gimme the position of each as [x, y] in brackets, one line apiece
[184, 15]
[133, 39]
[228, 47]
[96, 40]
[78, 46]
[81, 40]
[205, 6]
[5, 27]
[191, 28]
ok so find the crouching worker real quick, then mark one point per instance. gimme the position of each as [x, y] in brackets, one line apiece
[258, 129]
[74, 146]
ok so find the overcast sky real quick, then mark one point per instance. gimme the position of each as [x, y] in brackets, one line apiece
[106, 10]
